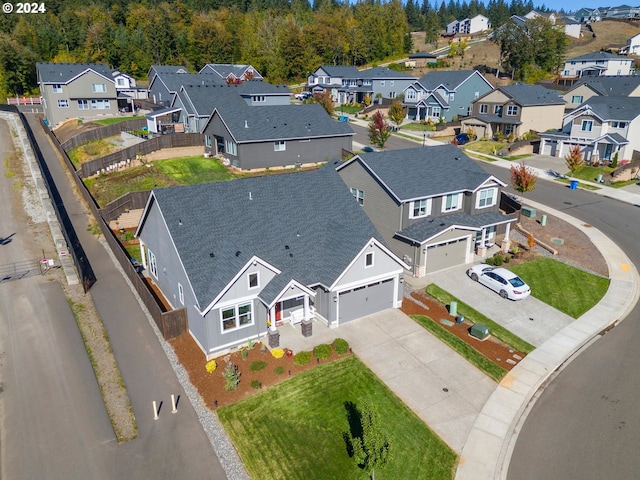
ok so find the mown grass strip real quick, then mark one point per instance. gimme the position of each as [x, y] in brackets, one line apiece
[294, 430]
[492, 370]
[474, 316]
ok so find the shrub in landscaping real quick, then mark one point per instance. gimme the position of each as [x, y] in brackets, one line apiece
[277, 353]
[497, 260]
[211, 366]
[245, 353]
[231, 376]
[341, 346]
[302, 358]
[507, 259]
[490, 261]
[279, 370]
[255, 384]
[322, 351]
[257, 366]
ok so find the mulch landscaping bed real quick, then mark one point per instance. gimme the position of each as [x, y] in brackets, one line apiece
[211, 385]
[492, 348]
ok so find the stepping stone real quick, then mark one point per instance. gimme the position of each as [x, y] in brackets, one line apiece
[446, 322]
[510, 362]
[516, 356]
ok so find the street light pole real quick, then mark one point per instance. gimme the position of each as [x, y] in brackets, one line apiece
[424, 137]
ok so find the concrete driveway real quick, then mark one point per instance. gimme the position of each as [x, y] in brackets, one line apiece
[530, 319]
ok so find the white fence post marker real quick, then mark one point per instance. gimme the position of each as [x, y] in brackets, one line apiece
[173, 403]
[155, 411]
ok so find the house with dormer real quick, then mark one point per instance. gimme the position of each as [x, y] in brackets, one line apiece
[597, 64]
[514, 110]
[232, 73]
[603, 127]
[350, 85]
[85, 90]
[444, 94]
[164, 86]
[581, 92]
[434, 206]
[250, 256]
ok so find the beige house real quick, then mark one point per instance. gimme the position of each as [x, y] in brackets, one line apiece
[515, 110]
[627, 86]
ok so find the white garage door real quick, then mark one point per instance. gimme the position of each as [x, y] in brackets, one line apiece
[445, 255]
[365, 300]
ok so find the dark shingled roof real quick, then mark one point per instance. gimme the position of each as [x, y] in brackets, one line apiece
[612, 85]
[168, 68]
[431, 226]
[450, 79]
[382, 73]
[594, 56]
[306, 224]
[173, 81]
[423, 55]
[425, 171]
[63, 72]
[614, 108]
[528, 95]
[341, 71]
[225, 69]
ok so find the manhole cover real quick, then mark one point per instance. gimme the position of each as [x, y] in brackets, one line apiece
[559, 241]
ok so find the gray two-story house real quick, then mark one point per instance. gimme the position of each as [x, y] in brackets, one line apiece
[445, 94]
[250, 256]
[164, 86]
[434, 206]
[350, 85]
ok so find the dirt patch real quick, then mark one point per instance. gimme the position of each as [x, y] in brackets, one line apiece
[71, 128]
[167, 153]
[211, 385]
[492, 348]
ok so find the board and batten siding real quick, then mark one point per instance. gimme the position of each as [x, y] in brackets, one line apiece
[358, 274]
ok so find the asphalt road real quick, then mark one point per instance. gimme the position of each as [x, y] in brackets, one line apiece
[584, 425]
[54, 423]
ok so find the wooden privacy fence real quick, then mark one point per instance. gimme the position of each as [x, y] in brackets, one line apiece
[175, 140]
[103, 132]
[128, 201]
[170, 323]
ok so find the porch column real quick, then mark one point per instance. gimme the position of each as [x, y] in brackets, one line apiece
[272, 318]
[306, 308]
[506, 243]
[481, 249]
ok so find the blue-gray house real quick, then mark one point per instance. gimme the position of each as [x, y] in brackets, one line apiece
[247, 256]
[444, 94]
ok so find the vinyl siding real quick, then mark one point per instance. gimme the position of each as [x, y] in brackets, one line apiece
[540, 118]
[357, 273]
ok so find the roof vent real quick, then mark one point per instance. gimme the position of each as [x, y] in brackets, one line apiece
[180, 221]
[286, 247]
[212, 255]
[291, 255]
[238, 253]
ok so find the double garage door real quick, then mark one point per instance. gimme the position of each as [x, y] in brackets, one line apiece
[365, 300]
[445, 255]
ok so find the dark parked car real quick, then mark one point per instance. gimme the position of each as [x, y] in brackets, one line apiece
[461, 139]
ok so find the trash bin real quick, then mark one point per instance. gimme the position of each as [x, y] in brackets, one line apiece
[573, 184]
[599, 179]
[543, 220]
[479, 331]
[459, 319]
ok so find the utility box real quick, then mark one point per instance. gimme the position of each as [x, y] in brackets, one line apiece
[529, 212]
[479, 331]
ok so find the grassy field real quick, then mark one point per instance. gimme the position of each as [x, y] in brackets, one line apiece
[473, 356]
[565, 288]
[111, 121]
[294, 430]
[474, 316]
[90, 150]
[162, 173]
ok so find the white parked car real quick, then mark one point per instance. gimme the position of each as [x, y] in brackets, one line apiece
[303, 95]
[506, 283]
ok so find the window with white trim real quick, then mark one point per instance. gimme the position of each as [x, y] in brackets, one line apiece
[63, 103]
[368, 260]
[181, 293]
[487, 198]
[420, 208]
[358, 195]
[435, 112]
[153, 265]
[98, 88]
[391, 83]
[452, 96]
[100, 104]
[512, 110]
[254, 280]
[411, 94]
[484, 108]
[497, 109]
[279, 146]
[618, 124]
[259, 98]
[236, 316]
[231, 147]
[586, 126]
[576, 99]
[382, 83]
[83, 104]
[121, 82]
[56, 88]
[207, 141]
[452, 202]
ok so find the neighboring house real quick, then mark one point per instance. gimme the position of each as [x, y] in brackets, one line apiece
[469, 26]
[622, 12]
[572, 28]
[232, 73]
[597, 64]
[421, 59]
[156, 69]
[249, 255]
[533, 14]
[582, 91]
[81, 90]
[350, 85]
[197, 102]
[632, 47]
[433, 205]
[603, 126]
[164, 86]
[515, 109]
[446, 94]
[588, 15]
[277, 136]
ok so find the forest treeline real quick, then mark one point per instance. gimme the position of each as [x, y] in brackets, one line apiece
[283, 39]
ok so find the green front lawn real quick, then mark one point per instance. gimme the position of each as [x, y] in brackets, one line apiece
[489, 147]
[347, 109]
[418, 127]
[589, 173]
[474, 316]
[294, 430]
[111, 121]
[565, 288]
